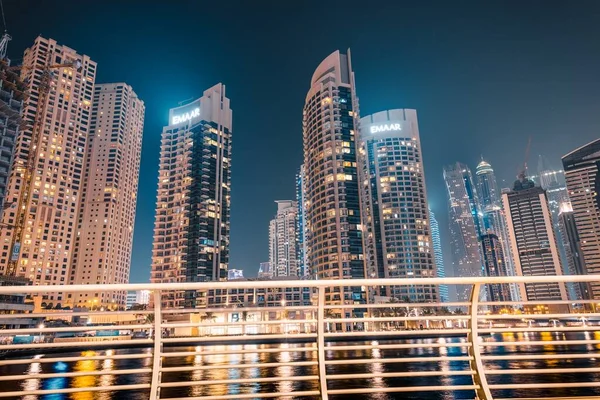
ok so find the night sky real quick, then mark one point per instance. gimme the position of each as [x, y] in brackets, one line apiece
[483, 76]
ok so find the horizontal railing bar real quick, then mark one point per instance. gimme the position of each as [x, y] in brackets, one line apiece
[552, 398]
[542, 385]
[541, 356]
[241, 380]
[540, 371]
[398, 305]
[238, 308]
[404, 389]
[396, 346]
[75, 329]
[72, 344]
[383, 319]
[75, 374]
[398, 374]
[540, 343]
[71, 314]
[236, 338]
[538, 316]
[538, 329]
[398, 360]
[537, 302]
[241, 323]
[69, 359]
[257, 395]
[400, 333]
[21, 393]
[242, 366]
[287, 284]
[245, 351]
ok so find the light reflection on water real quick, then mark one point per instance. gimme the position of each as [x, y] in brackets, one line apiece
[254, 357]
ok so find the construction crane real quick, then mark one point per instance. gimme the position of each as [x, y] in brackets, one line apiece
[27, 171]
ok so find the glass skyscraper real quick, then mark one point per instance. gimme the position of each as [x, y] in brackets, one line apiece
[439, 255]
[191, 229]
[333, 224]
[303, 266]
[395, 212]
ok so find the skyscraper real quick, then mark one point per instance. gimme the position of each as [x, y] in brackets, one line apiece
[283, 251]
[110, 186]
[465, 224]
[583, 183]
[574, 254]
[332, 202]
[43, 250]
[487, 188]
[494, 266]
[12, 95]
[395, 212]
[191, 229]
[533, 240]
[436, 242]
[301, 242]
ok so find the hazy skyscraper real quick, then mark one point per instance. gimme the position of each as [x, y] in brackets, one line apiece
[487, 189]
[283, 251]
[301, 242]
[191, 229]
[574, 254]
[44, 248]
[439, 255]
[332, 202]
[396, 220]
[494, 266]
[583, 182]
[533, 240]
[465, 224]
[110, 187]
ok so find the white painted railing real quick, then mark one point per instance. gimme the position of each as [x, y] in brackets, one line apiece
[486, 350]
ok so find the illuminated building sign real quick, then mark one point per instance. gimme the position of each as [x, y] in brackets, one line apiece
[181, 118]
[386, 128]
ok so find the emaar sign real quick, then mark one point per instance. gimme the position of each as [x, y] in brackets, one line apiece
[181, 118]
[386, 128]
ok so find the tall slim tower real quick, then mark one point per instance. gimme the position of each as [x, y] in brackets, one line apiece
[465, 224]
[45, 249]
[583, 182]
[574, 254]
[332, 202]
[191, 229]
[283, 252]
[487, 187]
[494, 266]
[395, 212]
[301, 242]
[436, 242]
[110, 186]
[533, 240]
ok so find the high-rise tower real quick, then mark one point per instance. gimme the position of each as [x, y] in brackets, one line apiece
[574, 254]
[465, 224]
[436, 242]
[583, 182]
[191, 230]
[395, 212]
[283, 249]
[301, 242]
[110, 186]
[533, 239]
[43, 251]
[332, 202]
[487, 188]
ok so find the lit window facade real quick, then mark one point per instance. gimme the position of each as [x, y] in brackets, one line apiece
[395, 213]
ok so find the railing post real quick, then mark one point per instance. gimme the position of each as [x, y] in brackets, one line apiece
[479, 378]
[321, 344]
[156, 365]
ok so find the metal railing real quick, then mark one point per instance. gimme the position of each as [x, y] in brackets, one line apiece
[303, 347]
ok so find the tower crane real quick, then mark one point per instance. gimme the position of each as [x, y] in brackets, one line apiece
[27, 170]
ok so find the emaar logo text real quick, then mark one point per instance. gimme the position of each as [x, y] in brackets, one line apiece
[386, 128]
[178, 119]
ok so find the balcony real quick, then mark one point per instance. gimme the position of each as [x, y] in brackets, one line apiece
[258, 342]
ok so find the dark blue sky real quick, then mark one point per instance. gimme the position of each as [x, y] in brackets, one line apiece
[484, 76]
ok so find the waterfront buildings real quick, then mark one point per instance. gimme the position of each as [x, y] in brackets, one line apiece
[191, 230]
[533, 241]
[12, 95]
[43, 250]
[333, 221]
[465, 224]
[110, 185]
[574, 254]
[583, 181]
[436, 242]
[283, 250]
[394, 196]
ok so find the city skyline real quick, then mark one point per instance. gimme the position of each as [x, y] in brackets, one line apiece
[379, 86]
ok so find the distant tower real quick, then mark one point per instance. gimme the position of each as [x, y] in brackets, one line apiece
[574, 254]
[301, 241]
[465, 224]
[283, 255]
[494, 266]
[439, 256]
[533, 240]
[487, 188]
[264, 271]
[583, 181]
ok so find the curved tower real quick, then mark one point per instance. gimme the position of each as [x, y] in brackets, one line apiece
[487, 188]
[332, 203]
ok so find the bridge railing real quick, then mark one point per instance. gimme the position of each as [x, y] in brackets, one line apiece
[294, 339]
